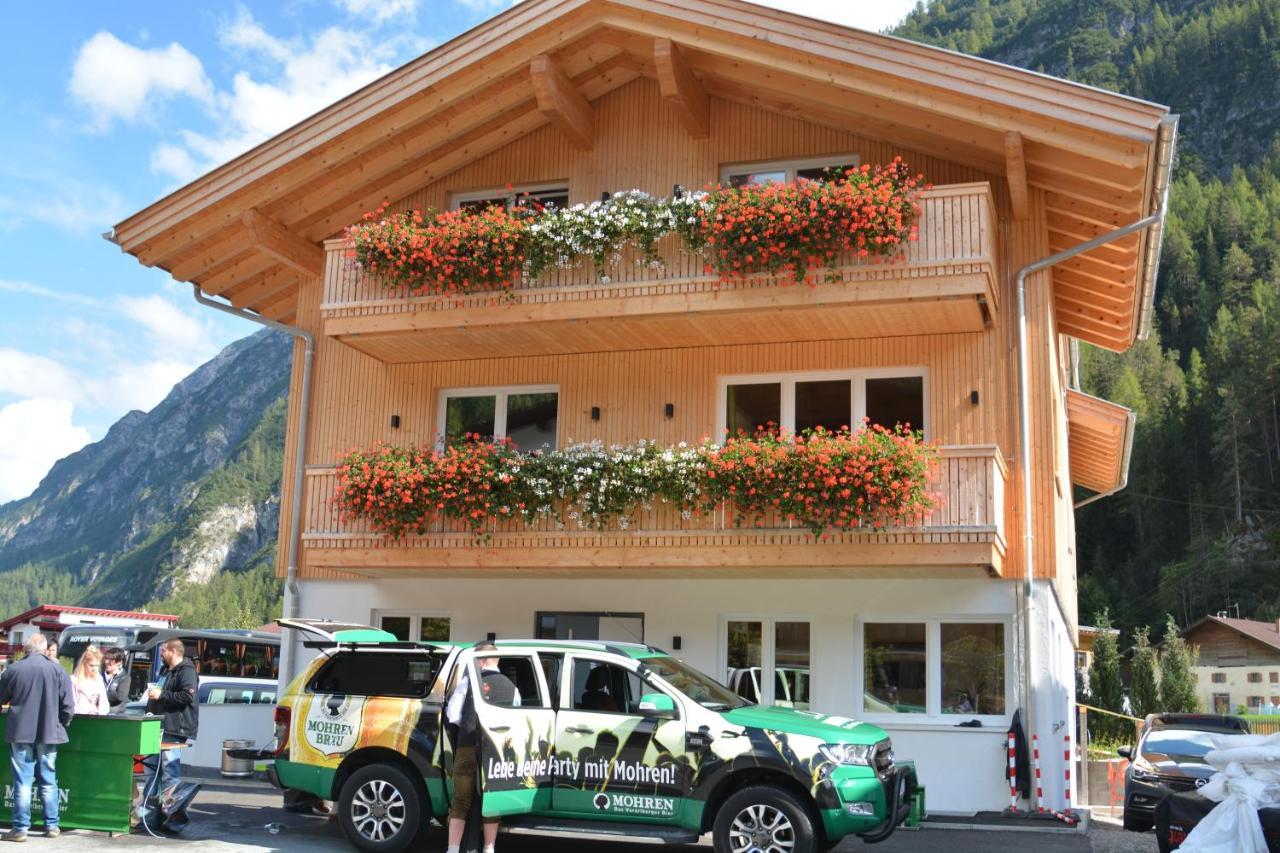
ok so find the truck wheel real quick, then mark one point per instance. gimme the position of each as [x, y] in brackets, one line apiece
[380, 809]
[763, 819]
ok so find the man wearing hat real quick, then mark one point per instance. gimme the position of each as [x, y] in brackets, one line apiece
[464, 729]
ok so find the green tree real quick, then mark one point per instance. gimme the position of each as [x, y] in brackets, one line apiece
[1177, 681]
[1105, 687]
[1144, 695]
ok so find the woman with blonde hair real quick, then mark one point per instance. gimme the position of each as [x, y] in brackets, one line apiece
[90, 690]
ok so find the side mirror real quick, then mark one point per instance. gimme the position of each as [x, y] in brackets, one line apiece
[1125, 752]
[657, 705]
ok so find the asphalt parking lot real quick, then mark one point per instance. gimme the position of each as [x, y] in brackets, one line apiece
[245, 817]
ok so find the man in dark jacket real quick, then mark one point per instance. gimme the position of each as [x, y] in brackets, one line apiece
[41, 704]
[116, 677]
[174, 696]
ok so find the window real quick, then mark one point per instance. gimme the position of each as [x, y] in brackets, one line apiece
[1274, 677]
[1222, 703]
[541, 194]
[1219, 678]
[415, 627]
[773, 653]
[782, 171]
[895, 668]
[972, 668]
[526, 415]
[1255, 678]
[1254, 703]
[216, 657]
[519, 669]
[618, 627]
[258, 661]
[832, 400]
[936, 668]
[377, 674]
[607, 688]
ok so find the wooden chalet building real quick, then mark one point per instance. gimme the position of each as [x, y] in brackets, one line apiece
[1238, 664]
[569, 99]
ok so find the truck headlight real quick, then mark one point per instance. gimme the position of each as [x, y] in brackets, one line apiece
[848, 753]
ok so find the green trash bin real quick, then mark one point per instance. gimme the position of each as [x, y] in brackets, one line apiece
[95, 772]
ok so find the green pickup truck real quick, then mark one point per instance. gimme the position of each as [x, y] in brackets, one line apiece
[608, 740]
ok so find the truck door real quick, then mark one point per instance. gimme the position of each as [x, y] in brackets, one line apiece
[616, 757]
[514, 740]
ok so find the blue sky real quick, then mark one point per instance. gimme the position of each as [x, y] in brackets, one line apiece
[108, 106]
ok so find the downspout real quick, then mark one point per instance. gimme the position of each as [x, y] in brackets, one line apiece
[1164, 164]
[299, 462]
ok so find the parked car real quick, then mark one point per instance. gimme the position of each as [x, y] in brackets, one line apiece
[1169, 757]
[613, 738]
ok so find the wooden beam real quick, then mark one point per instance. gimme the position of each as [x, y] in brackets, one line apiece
[1015, 170]
[562, 102]
[273, 239]
[681, 89]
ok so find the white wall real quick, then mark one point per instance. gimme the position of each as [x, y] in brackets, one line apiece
[963, 768]
[229, 722]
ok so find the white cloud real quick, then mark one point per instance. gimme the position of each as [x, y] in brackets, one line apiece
[48, 293]
[490, 6]
[34, 434]
[301, 77]
[381, 11]
[47, 197]
[118, 80]
[25, 374]
[143, 385]
[168, 327]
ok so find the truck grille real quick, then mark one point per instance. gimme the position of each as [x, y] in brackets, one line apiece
[882, 757]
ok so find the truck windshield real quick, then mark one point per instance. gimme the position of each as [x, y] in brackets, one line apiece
[698, 686]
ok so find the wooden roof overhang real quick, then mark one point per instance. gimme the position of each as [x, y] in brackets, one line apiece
[250, 229]
[1099, 441]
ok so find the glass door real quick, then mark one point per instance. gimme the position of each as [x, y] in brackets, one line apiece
[769, 661]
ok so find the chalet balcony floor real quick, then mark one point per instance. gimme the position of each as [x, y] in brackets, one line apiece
[963, 537]
[945, 283]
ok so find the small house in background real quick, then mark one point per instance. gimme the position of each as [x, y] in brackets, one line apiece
[50, 619]
[1239, 664]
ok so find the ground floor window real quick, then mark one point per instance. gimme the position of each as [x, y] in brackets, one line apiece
[568, 625]
[935, 668]
[1222, 703]
[413, 627]
[769, 661]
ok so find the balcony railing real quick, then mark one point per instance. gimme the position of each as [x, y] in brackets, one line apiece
[965, 531]
[946, 282]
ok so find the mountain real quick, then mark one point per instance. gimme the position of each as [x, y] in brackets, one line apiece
[167, 500]
[1198, 528]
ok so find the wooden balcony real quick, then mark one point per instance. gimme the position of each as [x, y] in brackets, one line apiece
[947, 282]
[962, 538]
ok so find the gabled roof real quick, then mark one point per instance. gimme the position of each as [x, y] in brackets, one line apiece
[1267, 633]
[249, 229]
[54, 610]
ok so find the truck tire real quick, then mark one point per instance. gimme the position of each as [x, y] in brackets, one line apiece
[380, 809]
[764, 818]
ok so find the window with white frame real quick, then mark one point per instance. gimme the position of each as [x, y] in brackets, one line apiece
[935, 668]
[786, 171]
[411, 626]
[830, 399]
[542, 195]
[527, 415]
[769, 661]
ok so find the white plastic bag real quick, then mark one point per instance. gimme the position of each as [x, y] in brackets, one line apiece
[1248, 778]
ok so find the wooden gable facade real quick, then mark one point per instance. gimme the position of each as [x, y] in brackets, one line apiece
[604, 96]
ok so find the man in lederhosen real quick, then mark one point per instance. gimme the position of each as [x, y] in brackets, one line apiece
[464, 729]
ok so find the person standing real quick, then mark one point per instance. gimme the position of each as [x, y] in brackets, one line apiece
[117, 679]
[90, 692]
[41, 704]
[174, 697]
[464, 727]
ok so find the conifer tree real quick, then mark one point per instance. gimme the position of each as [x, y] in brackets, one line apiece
[1105, 686]
[1144, 696]
[1177, 682]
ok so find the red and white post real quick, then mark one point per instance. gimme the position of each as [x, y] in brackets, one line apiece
[1013, 773]
[1035, 764]
[1066, 762]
